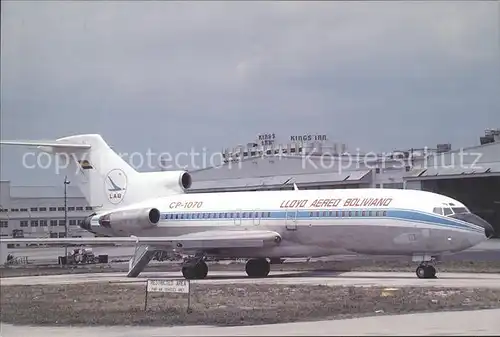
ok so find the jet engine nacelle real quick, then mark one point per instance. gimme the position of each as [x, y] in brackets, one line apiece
[183, 181]
[131, 220]
[178, 181]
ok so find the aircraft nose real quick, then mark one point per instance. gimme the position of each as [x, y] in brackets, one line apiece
[476, 220]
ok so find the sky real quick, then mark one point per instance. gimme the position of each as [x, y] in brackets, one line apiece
[172, 76]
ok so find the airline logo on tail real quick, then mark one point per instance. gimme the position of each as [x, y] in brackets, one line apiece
[116, 186]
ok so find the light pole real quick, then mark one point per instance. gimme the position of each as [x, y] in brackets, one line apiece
[66, 183]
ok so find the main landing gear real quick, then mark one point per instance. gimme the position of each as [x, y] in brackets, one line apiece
[196, 268]
[258, 267]
[426, 270]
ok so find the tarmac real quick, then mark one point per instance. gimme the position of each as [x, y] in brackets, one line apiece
[460, 323]
[358, 279]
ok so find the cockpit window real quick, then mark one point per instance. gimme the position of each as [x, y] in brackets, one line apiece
[458, 210]
[447, 211]
[438, 210]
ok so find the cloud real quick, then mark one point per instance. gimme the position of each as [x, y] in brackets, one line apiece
[217, 73]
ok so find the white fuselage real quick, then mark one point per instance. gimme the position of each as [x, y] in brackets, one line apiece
[315, 222]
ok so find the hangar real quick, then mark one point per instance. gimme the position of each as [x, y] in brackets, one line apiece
[471, 175]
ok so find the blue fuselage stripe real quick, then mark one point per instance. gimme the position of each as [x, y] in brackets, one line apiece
[314, 215]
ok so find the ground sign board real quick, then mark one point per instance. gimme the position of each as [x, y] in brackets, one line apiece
[181, 286]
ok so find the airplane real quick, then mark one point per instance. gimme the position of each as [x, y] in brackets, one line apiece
[155, 211]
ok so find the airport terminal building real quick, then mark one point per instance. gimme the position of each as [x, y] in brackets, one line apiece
[38, 211]
[471, 175]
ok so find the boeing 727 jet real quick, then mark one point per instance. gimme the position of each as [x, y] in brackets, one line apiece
[153, 210]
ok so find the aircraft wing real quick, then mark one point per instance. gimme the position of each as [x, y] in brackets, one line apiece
[198, 240]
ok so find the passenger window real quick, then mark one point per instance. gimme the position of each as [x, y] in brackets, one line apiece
[384, 213]
[363, 213]
[181, 216]
[268, 214]
[324, 213]
[350, 213]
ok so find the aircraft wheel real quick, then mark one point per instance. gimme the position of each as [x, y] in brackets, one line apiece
[257, 268]
[201, 270]
[426, 271]
[431, 272]
[195, 270]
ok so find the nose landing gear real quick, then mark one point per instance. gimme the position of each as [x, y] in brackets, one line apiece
[426, 271]
[426, 268]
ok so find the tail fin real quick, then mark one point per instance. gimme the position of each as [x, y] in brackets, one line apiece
[104, 178]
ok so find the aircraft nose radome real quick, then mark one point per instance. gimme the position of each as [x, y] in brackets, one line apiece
[476, 220]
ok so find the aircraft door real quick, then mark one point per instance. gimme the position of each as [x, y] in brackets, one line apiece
[291, 219]
[237, 217]
[256, 217]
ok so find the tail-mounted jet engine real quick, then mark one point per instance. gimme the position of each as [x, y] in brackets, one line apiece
[127, 220]
[131, 219]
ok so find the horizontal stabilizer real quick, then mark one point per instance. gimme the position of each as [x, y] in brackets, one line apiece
[200, 240]
[46, 144]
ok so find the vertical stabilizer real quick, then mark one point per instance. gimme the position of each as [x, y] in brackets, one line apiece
[104, 178]
[100, 173]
